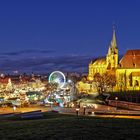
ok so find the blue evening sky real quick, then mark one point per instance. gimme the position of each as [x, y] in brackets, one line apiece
[69, 26]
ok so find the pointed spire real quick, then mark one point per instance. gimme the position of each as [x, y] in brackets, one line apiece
[113, 42]
[109, 51]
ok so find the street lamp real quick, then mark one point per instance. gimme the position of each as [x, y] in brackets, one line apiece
[116, 98]
[77, 111]
[84, 113]
[14, 109]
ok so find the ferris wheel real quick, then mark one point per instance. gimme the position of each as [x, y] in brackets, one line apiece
[57, 77]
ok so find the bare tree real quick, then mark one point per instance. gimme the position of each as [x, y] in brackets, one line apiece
[104, 82]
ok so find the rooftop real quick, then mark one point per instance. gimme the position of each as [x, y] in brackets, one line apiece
[131, 59]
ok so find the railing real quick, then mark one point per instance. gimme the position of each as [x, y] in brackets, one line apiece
[124, 104]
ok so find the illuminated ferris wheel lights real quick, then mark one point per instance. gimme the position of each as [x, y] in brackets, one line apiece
[57, 80]
[57, 77]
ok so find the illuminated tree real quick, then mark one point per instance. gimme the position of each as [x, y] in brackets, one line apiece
[104, 82]
[9, 86]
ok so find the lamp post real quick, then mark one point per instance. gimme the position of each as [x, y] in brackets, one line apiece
[116, 98]
[77, 111]
[84, 113]
[14, 109]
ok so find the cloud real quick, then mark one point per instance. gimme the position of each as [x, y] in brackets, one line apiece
[45, 64]
[43, 61]
[27, 52]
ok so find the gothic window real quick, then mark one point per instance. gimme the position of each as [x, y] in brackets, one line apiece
[109, 66]
[130, 79]
[136, 83]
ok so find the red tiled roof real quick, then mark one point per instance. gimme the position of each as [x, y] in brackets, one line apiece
[131, 59]
[4, 80]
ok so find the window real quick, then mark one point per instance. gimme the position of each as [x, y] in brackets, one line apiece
[136, 83]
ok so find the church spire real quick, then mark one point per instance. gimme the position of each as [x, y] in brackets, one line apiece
[112, 56]
[113, 41]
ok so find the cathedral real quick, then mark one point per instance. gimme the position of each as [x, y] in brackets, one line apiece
[110, 62]
[126, 70]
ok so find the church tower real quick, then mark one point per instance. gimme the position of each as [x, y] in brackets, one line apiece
[112, 55]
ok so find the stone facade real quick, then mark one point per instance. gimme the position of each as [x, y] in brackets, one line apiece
[126, 71]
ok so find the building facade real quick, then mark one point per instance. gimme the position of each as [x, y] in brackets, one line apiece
[126, 71]
[108, 63]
